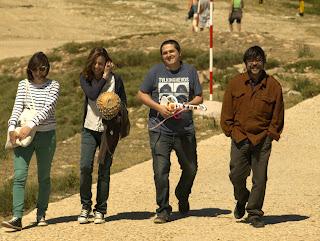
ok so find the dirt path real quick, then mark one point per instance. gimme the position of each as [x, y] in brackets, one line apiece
[292, 201]
[291, 204]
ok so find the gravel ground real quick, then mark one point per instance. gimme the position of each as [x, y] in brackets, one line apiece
[291, 204]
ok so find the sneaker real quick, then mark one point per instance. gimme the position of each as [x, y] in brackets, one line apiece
[184, 207]
[41, 221]
[14, 223]
[84, 216]
[255, 221]
[163, 217]
[99, 217]
[239, 210]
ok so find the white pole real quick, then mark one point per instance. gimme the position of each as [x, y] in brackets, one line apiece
[211, 50]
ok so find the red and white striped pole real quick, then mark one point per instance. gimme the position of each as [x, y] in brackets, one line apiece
[211, 50]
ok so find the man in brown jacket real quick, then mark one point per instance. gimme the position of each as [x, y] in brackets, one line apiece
[253, 116]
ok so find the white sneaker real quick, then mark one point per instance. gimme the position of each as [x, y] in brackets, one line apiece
[99, 218]
[41, 221]
[84, 216]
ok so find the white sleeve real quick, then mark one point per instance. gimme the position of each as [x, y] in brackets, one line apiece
[18, 105]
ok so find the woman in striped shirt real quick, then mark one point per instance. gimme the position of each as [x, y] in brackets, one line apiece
[42, 94]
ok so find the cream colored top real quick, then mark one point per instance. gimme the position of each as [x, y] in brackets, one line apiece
[93, 119]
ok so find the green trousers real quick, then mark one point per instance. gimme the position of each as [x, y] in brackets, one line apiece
[44, 145]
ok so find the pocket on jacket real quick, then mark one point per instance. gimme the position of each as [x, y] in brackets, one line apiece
[264, 104]
[237, 100]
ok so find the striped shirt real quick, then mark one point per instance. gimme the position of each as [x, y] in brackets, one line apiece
[44, 97]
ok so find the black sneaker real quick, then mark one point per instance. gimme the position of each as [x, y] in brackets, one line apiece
[239, 210]
[255, 221]
[184, 207]
[163, 217]
[14, 223]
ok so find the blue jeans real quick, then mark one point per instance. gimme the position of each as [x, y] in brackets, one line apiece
[90, 140]
[185, 147]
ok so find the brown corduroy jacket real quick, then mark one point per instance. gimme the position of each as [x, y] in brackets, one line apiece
[252, 112]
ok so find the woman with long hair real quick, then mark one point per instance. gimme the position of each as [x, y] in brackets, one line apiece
[97, 77]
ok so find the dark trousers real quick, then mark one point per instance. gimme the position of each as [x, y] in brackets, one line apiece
[185, 147]
[244, 158]
[90, 140]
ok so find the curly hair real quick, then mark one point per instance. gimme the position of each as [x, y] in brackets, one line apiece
[93, 55]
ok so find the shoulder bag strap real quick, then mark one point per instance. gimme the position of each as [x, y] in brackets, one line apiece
[28, 91]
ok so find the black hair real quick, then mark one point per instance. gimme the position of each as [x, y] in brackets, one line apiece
[38, 59]
[254, 52]
[170, 41]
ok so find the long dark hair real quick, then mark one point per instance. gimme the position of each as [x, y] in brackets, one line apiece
[37, 60]
[93, 55]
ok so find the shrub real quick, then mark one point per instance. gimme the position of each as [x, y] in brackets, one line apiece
[62, 184]
[6, 198]
[54, 57]
[307, 88]
[304, 51]
[302, 64]
[66, 184]
[272, 63]
[72, 48]
[223, 60]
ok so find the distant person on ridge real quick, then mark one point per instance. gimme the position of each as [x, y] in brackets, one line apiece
[204, 14]
[192, 8]
[201, 18]
[235, 14]
[176, 134]
[252, 116]
[301, 8]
